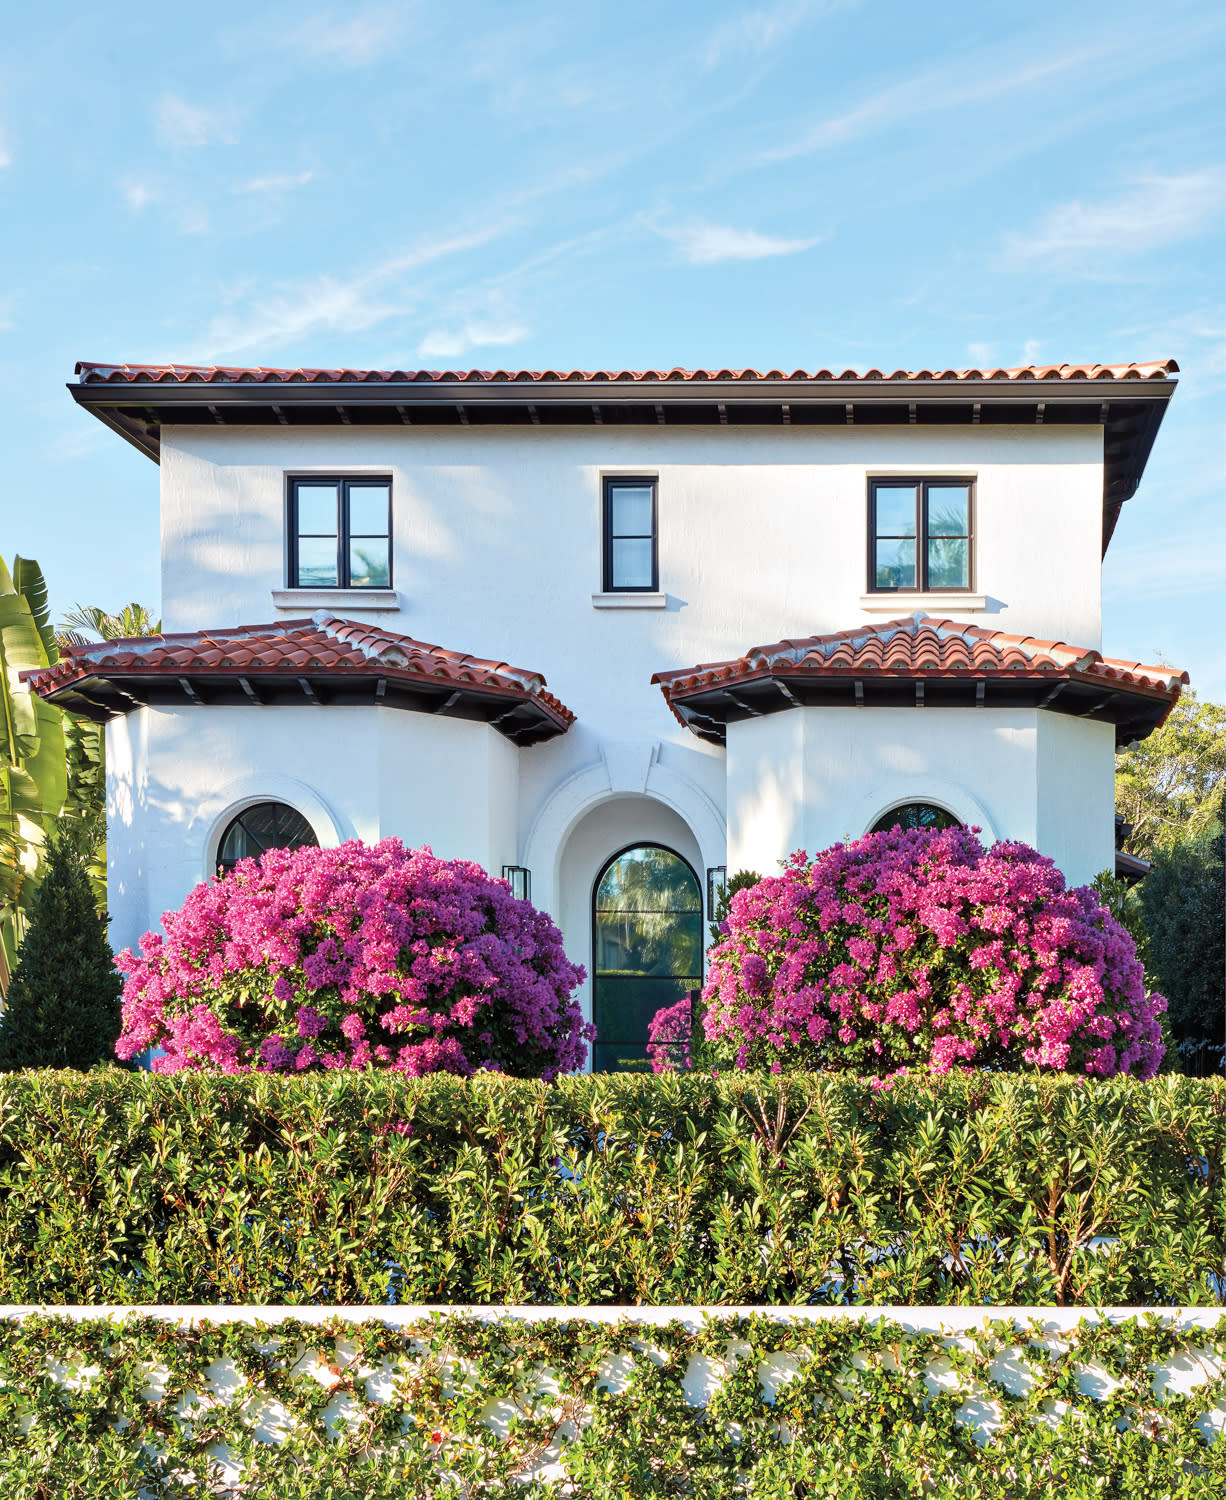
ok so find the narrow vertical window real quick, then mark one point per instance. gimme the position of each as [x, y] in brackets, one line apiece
[340, 533]
[920, 535]
[631, 561]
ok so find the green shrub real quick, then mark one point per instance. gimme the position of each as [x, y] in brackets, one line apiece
[680, 1189]
[1184, 901]
[860, 1419]
[62, 1009]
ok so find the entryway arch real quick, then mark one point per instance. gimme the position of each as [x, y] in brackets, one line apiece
[605, 832]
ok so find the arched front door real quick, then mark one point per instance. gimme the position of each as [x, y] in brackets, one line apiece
[646, 948]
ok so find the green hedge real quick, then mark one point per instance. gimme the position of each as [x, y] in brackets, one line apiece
[861, 1417]
[359, 1189]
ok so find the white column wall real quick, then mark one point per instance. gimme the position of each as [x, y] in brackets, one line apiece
[806, 778]
[176, 777]
[1075, 799]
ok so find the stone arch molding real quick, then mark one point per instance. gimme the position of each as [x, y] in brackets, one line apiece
[955, 799]
[214, 812]
[623, 770]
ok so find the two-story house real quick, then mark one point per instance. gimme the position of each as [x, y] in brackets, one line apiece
[773, 611]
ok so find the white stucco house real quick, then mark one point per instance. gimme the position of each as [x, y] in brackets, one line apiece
[923, 549]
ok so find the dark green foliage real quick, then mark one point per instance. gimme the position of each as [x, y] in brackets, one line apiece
[680, 1189]
[1184, 902]
[1123, 901]
[742, 880]
[862, 1420]
[62, 1008]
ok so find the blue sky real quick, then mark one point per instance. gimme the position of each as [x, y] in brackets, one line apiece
[783, 184]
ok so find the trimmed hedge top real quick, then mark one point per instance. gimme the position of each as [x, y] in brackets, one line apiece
[684, 1189]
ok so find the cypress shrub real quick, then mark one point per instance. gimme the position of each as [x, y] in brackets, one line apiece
[62, 1009]
[1184, 900]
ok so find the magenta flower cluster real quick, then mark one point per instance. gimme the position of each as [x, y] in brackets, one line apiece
[355, 957]
[922, 950]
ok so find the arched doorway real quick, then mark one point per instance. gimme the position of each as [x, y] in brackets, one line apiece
[647, 946]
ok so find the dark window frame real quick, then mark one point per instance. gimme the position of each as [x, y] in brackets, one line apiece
[922, 487]
[613, 482]
[344, 483]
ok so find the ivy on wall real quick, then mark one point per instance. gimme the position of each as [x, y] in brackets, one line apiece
[844, 1409]
[679, 1190]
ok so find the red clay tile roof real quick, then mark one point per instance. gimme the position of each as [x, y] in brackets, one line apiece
[317, 648]
[921, 648]
[95, 373]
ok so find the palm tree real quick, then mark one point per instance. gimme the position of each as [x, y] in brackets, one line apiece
[88, 620]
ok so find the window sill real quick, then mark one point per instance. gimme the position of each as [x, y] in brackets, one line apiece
[629, 601]
[378, 599]
[889, 604]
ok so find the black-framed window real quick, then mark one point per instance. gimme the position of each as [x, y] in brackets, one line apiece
[909, 815]
[920, 535]
[631, 554]
[264, 826]
[340, 532]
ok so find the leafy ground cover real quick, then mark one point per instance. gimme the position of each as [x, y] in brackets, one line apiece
[455, 1407]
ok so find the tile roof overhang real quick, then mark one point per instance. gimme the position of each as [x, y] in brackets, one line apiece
[923, 662]
[321, 660]
[1126, 400]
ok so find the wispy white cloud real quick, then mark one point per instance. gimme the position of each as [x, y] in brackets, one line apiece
[1088, 239]
[1031, 350]
[763, 27]
[980, 353]
[287, 313]
[1170, 567]
[281, 182]
[442, 343]
[706, 244]
[179, 123]
[138, 195]
[940, 89]
[353, 40]
[6, 155]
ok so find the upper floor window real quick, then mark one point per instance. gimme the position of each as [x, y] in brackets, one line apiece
[340, 532]
[919, 534]
[631, 559]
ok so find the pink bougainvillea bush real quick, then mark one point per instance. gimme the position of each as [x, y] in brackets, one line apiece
[355, 957]
[921, 950]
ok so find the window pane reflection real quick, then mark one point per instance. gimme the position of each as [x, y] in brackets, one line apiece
[895, 565]
[316, 561]
[368, 564]
[317, 510]
[632, 563]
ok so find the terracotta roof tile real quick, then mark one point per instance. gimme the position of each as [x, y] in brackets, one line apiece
[94, 373]
[918, 647]
[323, 643]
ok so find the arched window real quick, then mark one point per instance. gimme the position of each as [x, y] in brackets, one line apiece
[646, 948]
[916, 815]
[265, 825]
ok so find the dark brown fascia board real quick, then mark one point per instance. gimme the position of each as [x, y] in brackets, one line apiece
[143, 394]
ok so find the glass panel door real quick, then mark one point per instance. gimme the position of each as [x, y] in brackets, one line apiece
[647, 943]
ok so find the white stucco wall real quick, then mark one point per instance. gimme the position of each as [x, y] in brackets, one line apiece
[176, 778]
[762, 536]
[809, 777]
[497, 551]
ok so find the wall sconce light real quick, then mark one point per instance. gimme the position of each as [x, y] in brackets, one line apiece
[521, 881]
[717, 879]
